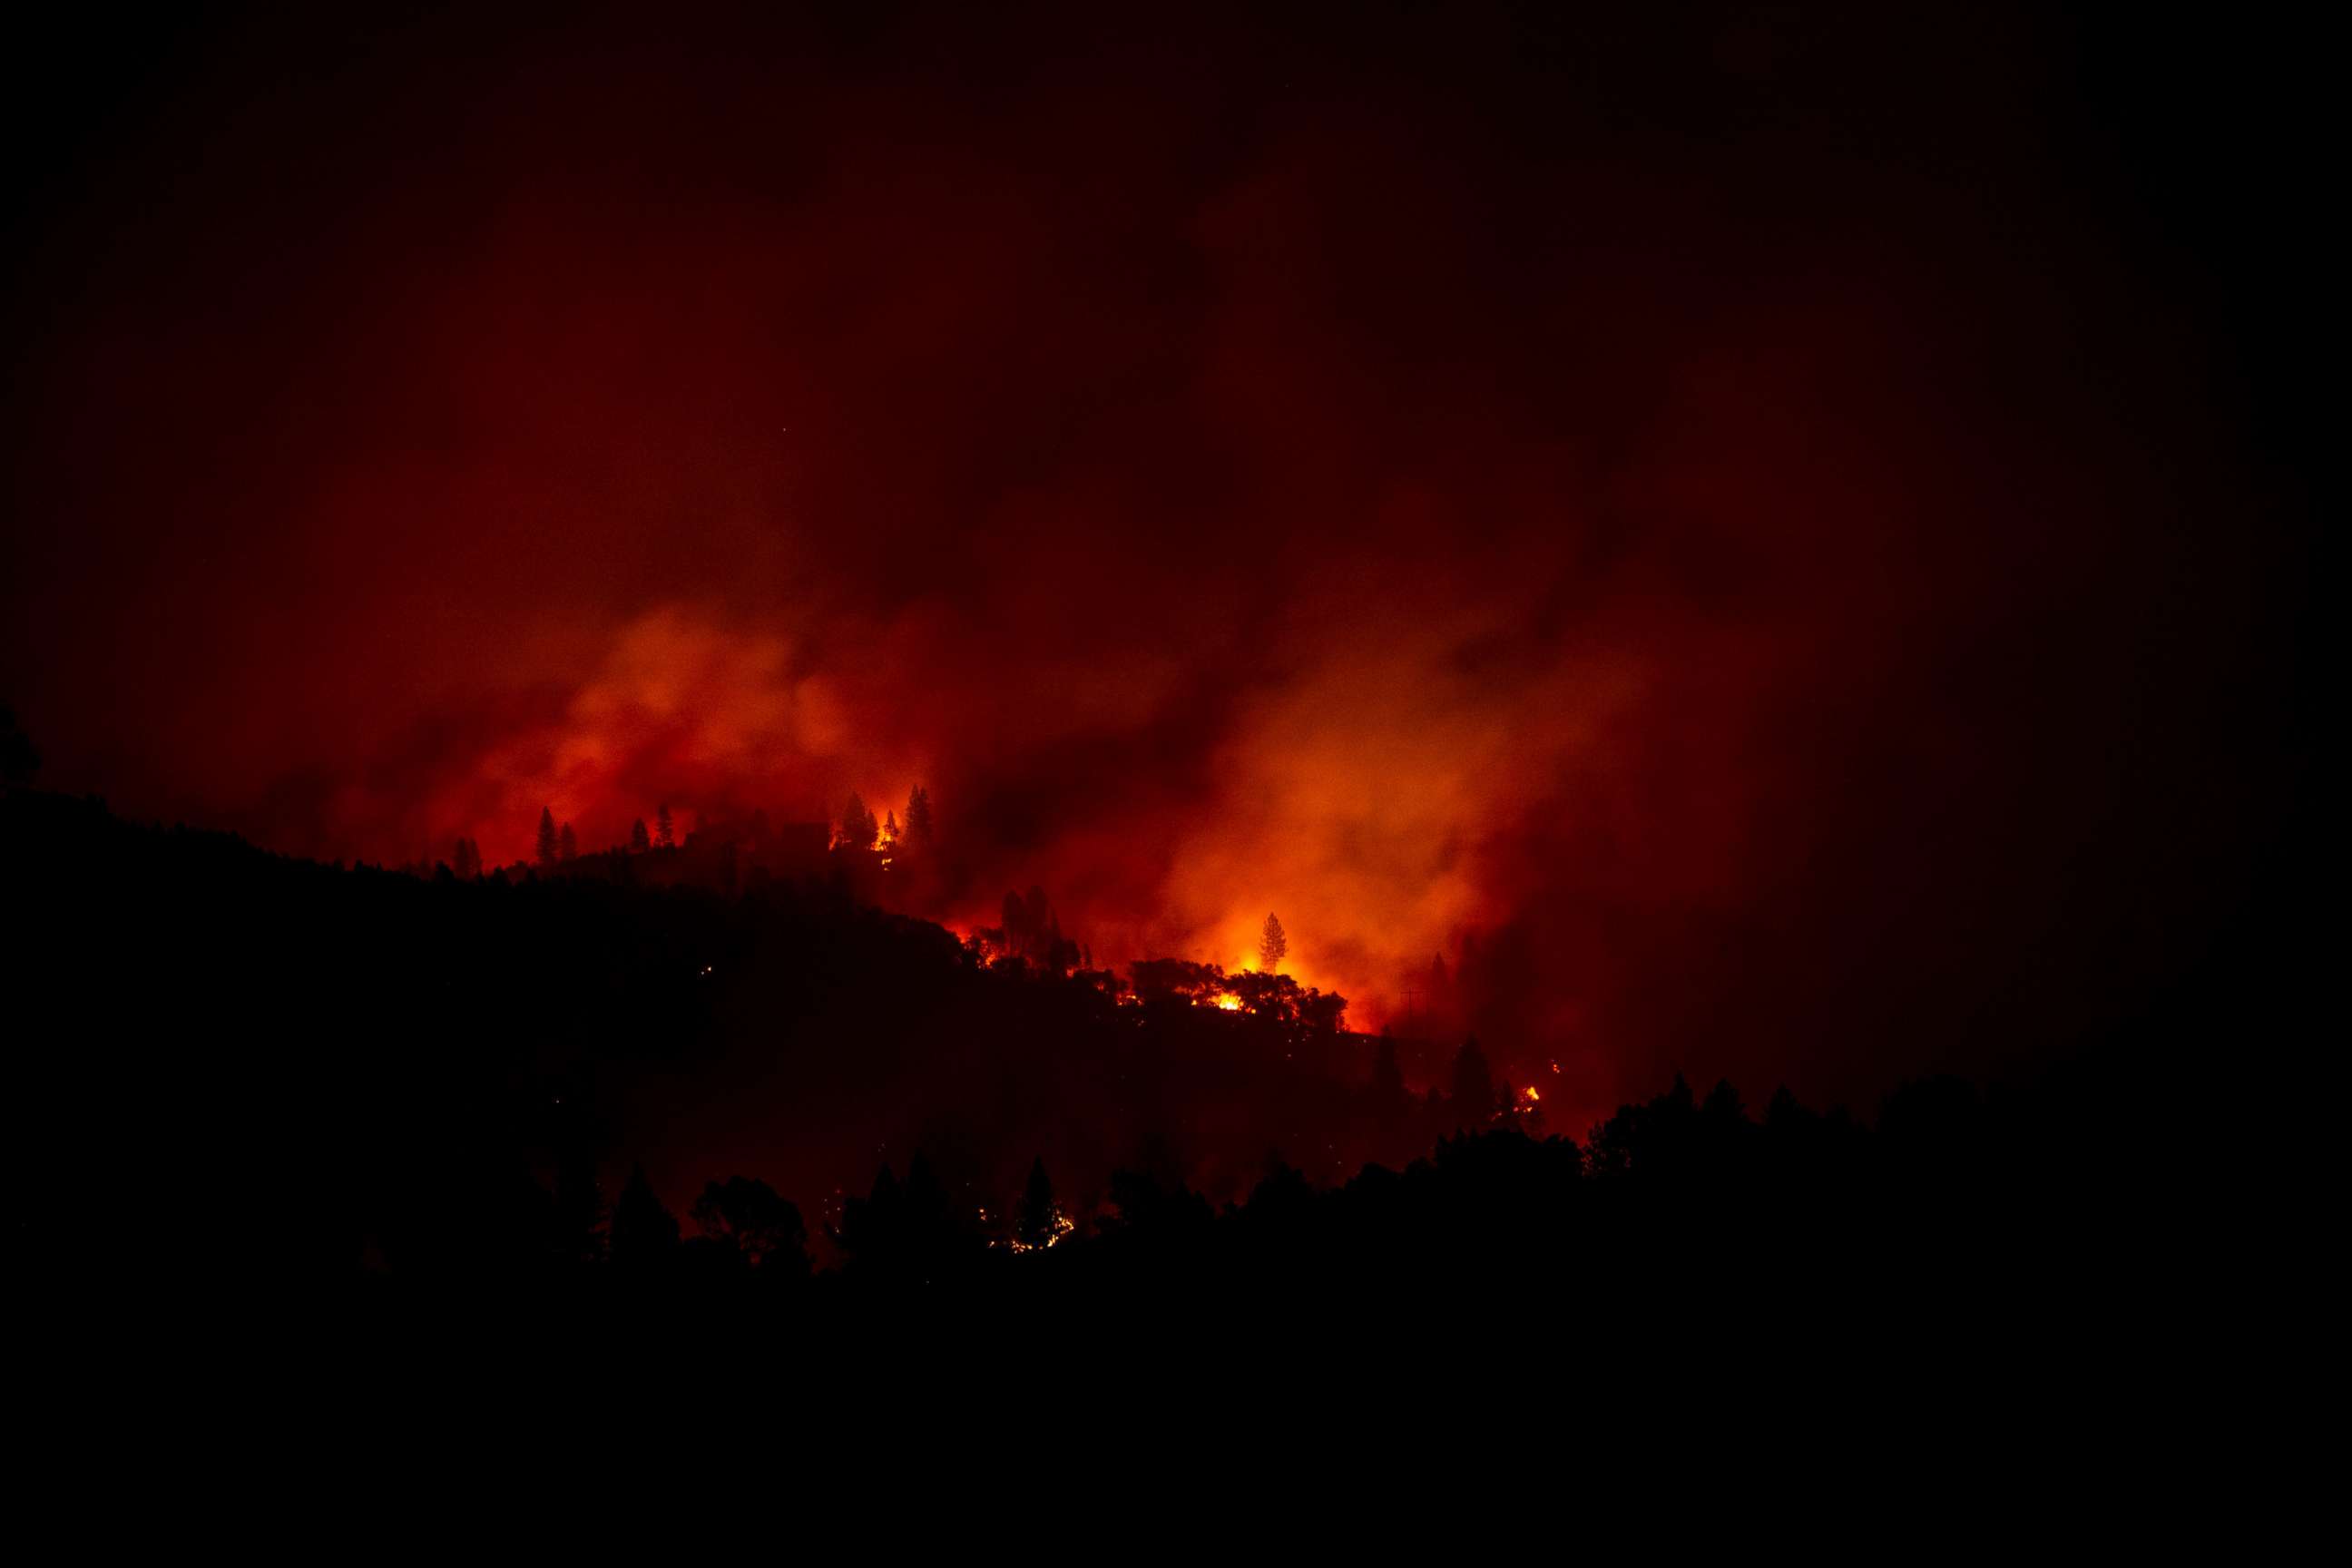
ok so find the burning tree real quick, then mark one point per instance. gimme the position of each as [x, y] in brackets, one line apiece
[1039, 1222]
[858, 829]
[1176, 979]
[1030, 934]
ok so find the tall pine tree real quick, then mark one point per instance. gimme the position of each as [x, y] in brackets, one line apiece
[643, 1233]
[920, 829]
[858, 829]
[1272, 946]
[1037, 1223]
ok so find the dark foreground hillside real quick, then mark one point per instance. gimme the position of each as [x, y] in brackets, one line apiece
[229, 1069]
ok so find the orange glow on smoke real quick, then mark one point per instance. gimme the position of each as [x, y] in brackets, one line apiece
[1356, 799]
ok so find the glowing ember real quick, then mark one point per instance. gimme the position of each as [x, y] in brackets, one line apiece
[1062, 1226]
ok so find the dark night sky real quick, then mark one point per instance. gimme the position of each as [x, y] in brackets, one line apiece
[1788, 522]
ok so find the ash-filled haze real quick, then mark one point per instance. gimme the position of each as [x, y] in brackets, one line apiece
[1755, 519]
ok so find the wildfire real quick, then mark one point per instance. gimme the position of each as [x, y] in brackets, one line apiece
[1228, 1002]
[1062, 1226]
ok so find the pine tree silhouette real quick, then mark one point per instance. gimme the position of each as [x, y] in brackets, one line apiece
[645, 1233]
[858, 829]
[1038, 1222]
[919, 828]
[1273, 946]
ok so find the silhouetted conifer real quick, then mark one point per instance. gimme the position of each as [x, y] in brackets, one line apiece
[858, 829]
[1037, 1223]
[920, 828]
[645, 1233]
[1272, 945]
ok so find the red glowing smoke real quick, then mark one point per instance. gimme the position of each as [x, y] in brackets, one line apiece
[1660, 522]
